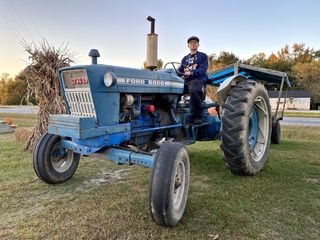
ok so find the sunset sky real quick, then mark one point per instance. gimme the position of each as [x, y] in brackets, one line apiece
[118, 28]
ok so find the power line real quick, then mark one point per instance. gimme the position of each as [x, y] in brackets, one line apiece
[12, 27]
[25, 26]
[32, 19]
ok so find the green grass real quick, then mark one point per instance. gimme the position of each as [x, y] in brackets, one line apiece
[302, 114]
[22, 120]
[281, 202]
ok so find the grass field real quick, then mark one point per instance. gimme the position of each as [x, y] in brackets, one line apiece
[106, 201]
[22, 120]
[312, 114]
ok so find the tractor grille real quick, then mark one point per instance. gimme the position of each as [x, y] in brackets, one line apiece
[80, 102]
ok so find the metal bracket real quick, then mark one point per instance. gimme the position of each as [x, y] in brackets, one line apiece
[279, 97]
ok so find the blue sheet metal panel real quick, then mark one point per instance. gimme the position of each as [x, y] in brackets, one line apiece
[77, 133]
[107, 106]
[156, 89]
[70, 120]
[105, 140]
[139, 73]
[221, 74]
[71, 128]
[135, 79]
[267, 75]
[95, 74]
[216, 79]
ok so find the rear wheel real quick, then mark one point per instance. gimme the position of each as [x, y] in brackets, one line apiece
[276, 132]
[51, 163]
[169, 184]
[246, 128]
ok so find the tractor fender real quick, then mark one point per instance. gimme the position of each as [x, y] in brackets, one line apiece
[226, 86]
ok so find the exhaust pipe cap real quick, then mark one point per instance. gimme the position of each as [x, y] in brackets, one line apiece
[94, 54]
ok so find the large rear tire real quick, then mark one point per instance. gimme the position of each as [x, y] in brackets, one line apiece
[169, 184]
[246, 128]
[50, 163]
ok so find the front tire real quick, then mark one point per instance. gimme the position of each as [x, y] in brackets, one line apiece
[169, 184]
[246, 128]
[50, 164]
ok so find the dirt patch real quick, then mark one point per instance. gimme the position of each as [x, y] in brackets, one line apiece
[105, 177]
[312, 180]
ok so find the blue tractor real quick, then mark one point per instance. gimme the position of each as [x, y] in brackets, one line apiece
[134, 116]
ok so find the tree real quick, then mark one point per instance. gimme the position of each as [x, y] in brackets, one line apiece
[211, 62]
[302, 54]
[257, 60]
[308, 77]
[3, 93]
[5, 78]
[12, 97]
[17, 90]
[224, 59]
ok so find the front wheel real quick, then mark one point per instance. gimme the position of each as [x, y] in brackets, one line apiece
[169, 184]
[51, 163]
[246, 128]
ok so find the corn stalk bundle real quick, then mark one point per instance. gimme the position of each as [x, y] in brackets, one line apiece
[44, 85]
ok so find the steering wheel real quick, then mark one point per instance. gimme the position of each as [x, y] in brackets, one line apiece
[176, 69]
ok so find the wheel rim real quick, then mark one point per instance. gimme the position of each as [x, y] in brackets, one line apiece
[61, 160]
[253, 128]
[258, 133]
[179, 184]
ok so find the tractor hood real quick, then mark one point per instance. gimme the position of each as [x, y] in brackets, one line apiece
[127, 80]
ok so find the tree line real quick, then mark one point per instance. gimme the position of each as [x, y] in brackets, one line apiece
[300, 62]
[14, 91]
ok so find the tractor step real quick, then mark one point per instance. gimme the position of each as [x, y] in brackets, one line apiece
[203, 124]
[192, 131]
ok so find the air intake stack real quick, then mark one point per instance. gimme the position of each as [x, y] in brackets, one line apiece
[152, 46]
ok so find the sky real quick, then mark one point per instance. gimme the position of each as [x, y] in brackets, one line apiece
[118, 28]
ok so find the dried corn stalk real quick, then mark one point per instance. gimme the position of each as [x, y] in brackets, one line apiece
[43, 83]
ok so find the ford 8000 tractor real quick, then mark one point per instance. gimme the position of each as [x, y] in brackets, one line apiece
[134, 116]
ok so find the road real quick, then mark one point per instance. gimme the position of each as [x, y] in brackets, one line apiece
[18, 109]
[301, 121]
[286, 121]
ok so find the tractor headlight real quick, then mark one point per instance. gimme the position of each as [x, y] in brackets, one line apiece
[109, 79]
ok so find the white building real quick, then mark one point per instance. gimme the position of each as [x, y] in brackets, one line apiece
[296, 100]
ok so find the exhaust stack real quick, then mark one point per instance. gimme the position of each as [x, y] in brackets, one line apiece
[94, 54]
[152, 46]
